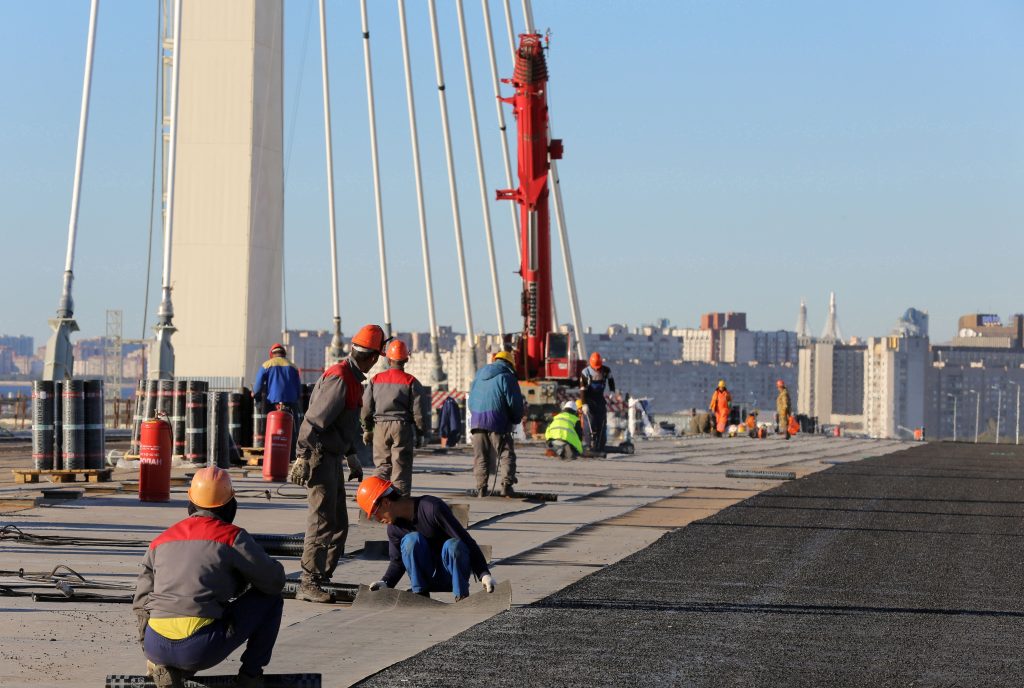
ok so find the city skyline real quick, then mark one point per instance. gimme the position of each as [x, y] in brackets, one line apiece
[762, 155]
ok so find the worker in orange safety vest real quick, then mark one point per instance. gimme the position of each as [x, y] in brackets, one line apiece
[721, 404]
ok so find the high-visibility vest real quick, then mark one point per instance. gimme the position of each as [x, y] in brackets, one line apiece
[563, 427]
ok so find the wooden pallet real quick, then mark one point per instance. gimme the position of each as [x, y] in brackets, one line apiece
[92, 475]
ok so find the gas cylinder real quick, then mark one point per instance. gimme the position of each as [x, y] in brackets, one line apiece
[155, 443]
[277, 447]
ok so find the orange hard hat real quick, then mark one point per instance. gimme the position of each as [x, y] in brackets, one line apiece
[210, 488]
[397, 351]
[780, 383]
[596, 361]
[277, 347]
[369, 338]
[370, 492]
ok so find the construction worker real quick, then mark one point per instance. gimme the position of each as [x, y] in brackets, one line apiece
[720, 407]
[593, 381]
[751, 424]
[564, 432]
[782, 407]
[425, 540]
[278, 382]
[496, 406]
[330, 432]
[191, 600]
[393, 418]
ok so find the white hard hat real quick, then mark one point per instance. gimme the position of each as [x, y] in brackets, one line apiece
[569, 406]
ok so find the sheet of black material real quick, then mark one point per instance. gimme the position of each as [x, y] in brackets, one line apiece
[896, 570]
[269, 681]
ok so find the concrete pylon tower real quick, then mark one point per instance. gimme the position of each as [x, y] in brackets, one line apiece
[229, 194]
[803, 333]
[832, 334]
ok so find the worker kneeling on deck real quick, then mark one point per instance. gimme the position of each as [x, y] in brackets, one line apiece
[425, 540]
[564, 430]
[189, 598]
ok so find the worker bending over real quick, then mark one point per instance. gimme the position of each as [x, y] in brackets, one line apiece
[783, 408]
[496, 405]
[393, 418]
[564, 431]
[425, 540]
[721, 406]
[329, 433]
[593, 381]
[191, 599]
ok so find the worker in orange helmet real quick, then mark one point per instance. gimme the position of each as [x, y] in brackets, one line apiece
[331, 432]
[191, 600]
[593, 381]
[720, 407]
[425, 540]
[783, 408]
[393, 418]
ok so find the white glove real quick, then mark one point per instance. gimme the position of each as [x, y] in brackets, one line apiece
[487, 582]
[586, 410]
[379, 585]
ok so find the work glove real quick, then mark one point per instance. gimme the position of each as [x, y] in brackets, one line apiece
[379, 585]
[355, 471]
[420, 438]
[142, 618]
[586, 410]
[299, 474]
[487, 582]
[368, 437]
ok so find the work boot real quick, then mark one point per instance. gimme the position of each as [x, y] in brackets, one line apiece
[422, 593]
[508, 491]
[247, 681]
[481, 492]
[459, 598]
[311, 592]
[167, 677]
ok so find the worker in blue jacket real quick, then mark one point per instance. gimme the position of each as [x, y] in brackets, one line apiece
[496, 406]
[278, 382]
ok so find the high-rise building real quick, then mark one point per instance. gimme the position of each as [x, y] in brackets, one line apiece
[21, 345]
[894, 385]
[831, 383]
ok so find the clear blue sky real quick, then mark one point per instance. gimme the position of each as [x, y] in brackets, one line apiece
[719, 156]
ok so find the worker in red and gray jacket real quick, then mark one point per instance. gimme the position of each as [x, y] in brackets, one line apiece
[393, 418]
[425, 540]
[189, 598]
[331, 432]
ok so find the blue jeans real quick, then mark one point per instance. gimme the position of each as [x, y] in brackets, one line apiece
[428, 573]
[254, 619]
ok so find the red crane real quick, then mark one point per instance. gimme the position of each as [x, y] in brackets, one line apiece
[542, 353]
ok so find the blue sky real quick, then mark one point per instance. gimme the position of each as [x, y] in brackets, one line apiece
[718, 156]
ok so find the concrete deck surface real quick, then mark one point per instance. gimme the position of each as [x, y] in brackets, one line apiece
[607, 510]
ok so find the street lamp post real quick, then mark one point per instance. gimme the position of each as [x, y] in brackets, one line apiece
[977, 412]
[1016, 427]
[999, 410]
[954, 414]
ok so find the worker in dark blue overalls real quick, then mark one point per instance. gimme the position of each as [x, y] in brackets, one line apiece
[593, 381]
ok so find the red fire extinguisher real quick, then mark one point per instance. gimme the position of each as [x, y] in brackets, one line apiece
[155, 461]
[277, 446]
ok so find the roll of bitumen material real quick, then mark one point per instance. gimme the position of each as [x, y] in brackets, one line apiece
[247, 419]
[58, 424]
[42, 425]
[152, 392]
[178, 418]
[195, 421]
[217, 447]
[235, 418]
[280, 545]
[259, 422]
[95, 432]
[140, 408]
[73, 428]
[165, 398]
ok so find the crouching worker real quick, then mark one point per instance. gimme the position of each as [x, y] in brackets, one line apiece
[425, 540]
[189, 598]
[564, 431]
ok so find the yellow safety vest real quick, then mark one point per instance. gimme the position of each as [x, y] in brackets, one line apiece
[563, 427]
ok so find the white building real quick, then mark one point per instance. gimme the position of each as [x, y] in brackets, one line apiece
[894, 385]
